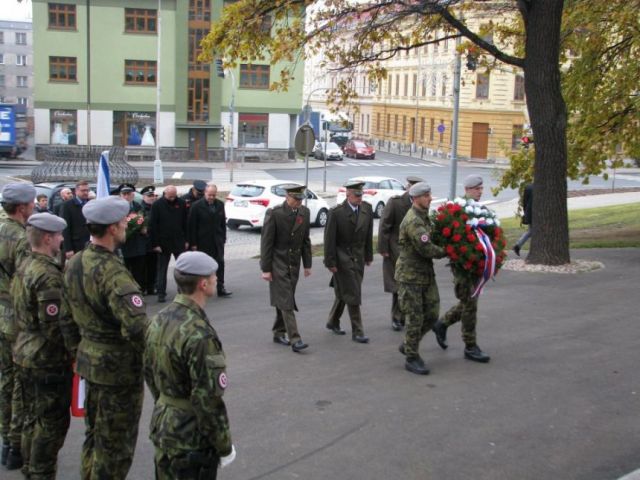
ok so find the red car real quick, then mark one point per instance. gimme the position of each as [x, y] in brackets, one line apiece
[359, 149]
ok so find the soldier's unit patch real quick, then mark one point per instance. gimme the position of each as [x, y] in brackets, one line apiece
[136, 301]
[424, 238]
[222, 380]
[52, 310]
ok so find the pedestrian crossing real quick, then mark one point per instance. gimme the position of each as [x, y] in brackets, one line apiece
[386, 164]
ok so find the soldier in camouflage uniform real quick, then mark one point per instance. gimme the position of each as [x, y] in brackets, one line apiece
[107, 308]
[18, 203]
[44, 363]
[284, 242]
[184, 366]
[388, 231]
[465, 311]
[417, 288]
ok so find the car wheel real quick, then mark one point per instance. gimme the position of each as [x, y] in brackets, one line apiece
[373, 157]
[379, 210]
[321, 219]
[233, 225]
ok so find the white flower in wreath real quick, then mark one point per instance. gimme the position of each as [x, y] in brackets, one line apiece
[497, 222]
[473, 222]
[468, 209]
[477, 211]
[461, 201]
[489, 221]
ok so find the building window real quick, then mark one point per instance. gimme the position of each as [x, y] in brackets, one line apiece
[516, 136]
[21, 60]
[422, 122]
[21, 81]
[441, 132]
[388, 124]
[200, 10]
[482, 85]
[1, 80]
[431, 130]
[198, 100]
[518, 91]
[23, 101]
[406, 85]
[1, 37]
[1, 58]
[134, 128]
[397, 85]
[254, 76]
[444, 84]
[256, 133]
[64, 127]
[377, 129]
[389, 82]
[140, 20]
[21, 38]
[62, 16]
[415, 85]
[140, 72]
[195, 37]
[63, 69]
[395, 127]
[404, 126]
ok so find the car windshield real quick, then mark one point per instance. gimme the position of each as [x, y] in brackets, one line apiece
[247, 190]
[331, 146]
[359, 144]
[366, 184]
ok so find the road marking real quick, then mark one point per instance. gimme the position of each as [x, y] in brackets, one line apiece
[417, 165]
[339, 164]
[177, 175]
[633, 178]
[377, 164]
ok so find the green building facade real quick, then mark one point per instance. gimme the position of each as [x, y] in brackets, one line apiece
[96, 77]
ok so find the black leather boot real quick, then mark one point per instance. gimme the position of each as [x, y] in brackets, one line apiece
[14, 459]
[474, 353]
[5, 452]
[440, 330]
[416, 365]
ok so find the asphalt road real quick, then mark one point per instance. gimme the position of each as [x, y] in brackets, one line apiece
[559, 399]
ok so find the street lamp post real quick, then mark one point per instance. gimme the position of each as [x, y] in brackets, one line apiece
[231, 107]
[454, 129]
[158, 176]
[307, 114]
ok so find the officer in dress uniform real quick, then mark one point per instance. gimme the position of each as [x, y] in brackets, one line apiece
[106, 306]
[135, 248]
[466, 310]
[417, 288]
[388, 231]
[348, 247]
[195, 193]
[151, 257]
[44, 362]
[18, 203]
[185, 369]
[284, 242]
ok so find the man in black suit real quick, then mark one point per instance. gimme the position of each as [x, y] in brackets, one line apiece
[76, 235]
[167, 228]
[207, 231]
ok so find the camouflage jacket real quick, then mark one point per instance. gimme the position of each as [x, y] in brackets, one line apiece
[14, 250]
[184, 366]
[415, 263]
[104, 318]
[37, 306]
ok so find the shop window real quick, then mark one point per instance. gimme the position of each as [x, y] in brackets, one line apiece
[63, 69]
[63, 127]
[62, 16]
[254, 130]
[140, 20]
[140, 72]
[134, 128]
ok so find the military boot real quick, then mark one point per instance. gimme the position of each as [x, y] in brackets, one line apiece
[416, 365]
[440, 330]
[14, 459]
[5, 452]
[474, 353]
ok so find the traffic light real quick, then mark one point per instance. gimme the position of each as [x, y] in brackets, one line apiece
[222, 134]
[472, 62]
[219, 69]
[244, 127]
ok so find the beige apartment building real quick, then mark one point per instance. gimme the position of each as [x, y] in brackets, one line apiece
[412, 109]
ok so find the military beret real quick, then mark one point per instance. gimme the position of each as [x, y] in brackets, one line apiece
[196, 263]
[420, 188]
[296, 191]
[199, 185]
[105, 211]
[17, 193]
[472, 181]
[47, 222]
[411, 179]
[148, 190]
[126, 188]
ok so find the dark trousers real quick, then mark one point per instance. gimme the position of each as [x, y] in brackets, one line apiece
[163, 265]
[182, 465]
[286, 323]
[396, 313]
[136, 265]
[220, 272]
[354, 314]
[150, 272]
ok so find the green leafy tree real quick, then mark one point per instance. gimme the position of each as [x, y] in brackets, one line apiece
[360, 35]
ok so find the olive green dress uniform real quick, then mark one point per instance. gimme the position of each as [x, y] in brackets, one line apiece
[45, 366]
[185, 371]
[284, 242]
[107, 306]
[348, 245]
[388, 234]
[14, 250]
[417, 288]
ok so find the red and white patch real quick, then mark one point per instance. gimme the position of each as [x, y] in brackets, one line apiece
[424, 238]
[52, 310]
[136, 301]
[223, 381]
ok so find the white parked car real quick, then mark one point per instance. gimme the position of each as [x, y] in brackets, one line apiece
[377, 191]
[248, 202]
[334, 152]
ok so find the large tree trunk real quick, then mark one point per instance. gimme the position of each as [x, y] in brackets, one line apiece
[548, 115]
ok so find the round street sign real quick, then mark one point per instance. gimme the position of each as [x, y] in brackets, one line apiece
[441, 128]
[305, 140]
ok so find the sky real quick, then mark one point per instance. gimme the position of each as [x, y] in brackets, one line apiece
[12, 10]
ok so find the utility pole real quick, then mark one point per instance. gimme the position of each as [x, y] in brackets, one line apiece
[158, 176]
[454, 129]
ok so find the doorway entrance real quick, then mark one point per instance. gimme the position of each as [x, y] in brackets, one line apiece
[198, 144]
[480, 140]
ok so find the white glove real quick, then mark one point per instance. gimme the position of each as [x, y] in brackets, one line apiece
[224, 461]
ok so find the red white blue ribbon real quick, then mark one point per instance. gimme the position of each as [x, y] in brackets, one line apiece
[489, 262]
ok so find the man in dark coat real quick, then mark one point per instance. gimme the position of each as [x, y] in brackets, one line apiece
[168, 228]
[76, 235]
[285, 240]
[194, 194]
[134, 249]
[348, 246]
[207, 231]
[388, 232]
[148, 285]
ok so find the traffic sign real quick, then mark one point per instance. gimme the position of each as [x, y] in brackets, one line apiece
[441, 128]
[305, 140]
